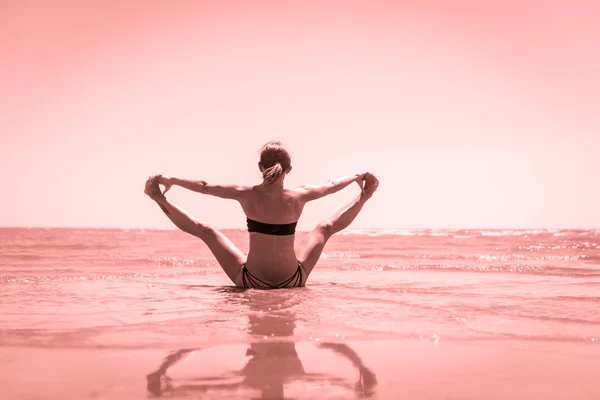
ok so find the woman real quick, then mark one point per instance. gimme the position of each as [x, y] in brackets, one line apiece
[272, 211]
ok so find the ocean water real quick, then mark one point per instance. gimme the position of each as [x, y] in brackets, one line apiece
[85, 294]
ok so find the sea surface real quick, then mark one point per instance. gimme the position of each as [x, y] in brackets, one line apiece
[97, 313]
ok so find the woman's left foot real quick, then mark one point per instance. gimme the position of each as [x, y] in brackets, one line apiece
[152, 189]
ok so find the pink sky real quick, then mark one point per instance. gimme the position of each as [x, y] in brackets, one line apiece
[471, 115]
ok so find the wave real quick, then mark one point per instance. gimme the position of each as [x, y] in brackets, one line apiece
[475, 257]
[166, 262]
[29, 263]
[80, 338]
[341, 255]
[33, 279]
[98, 276]
[60, 246]
[514, 268]
[471, 233]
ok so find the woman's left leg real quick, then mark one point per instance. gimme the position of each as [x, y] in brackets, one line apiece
[227, 254]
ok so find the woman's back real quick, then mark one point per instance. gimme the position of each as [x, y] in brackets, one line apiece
[272, 204]
[272, 257]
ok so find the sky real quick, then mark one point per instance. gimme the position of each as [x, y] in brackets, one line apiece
[473, 114]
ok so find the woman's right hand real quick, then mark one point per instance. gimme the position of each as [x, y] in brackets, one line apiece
[166, 182]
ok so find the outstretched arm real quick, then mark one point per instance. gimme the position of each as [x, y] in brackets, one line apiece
[313, 192]
[224, 191]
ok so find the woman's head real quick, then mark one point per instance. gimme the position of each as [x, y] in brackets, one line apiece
[275, 161]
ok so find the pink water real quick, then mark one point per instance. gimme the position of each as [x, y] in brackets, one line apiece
[386, 314]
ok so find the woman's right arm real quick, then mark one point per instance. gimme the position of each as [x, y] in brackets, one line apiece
[314, 192]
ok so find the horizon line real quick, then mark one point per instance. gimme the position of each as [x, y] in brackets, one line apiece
[308, 230]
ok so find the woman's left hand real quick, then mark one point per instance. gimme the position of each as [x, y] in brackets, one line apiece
[360, 179]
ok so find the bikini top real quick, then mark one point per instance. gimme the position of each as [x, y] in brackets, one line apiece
[271, 229]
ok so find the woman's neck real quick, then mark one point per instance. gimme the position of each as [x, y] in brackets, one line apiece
[278, 184]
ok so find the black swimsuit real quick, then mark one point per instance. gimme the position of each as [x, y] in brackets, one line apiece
[271, 229]
[251, 281]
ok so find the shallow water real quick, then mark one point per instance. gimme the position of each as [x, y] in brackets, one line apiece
[160, 293]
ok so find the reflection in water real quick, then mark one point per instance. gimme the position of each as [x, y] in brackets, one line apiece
[273, 363]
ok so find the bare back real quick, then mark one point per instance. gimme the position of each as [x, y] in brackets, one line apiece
[272, 257]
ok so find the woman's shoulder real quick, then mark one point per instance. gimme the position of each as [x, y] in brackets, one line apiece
[295, 191]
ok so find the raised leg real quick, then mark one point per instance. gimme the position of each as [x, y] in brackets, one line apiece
[310, 253]
[225, 251]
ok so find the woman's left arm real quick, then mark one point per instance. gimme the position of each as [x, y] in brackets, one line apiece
[235, 192]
